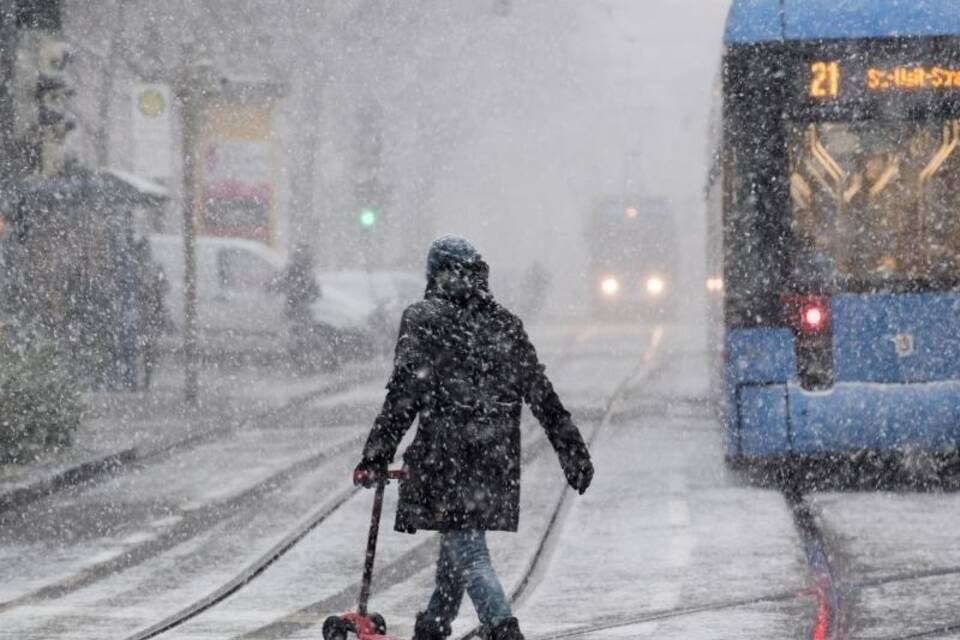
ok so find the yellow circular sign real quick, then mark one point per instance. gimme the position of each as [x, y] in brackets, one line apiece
[151, 103]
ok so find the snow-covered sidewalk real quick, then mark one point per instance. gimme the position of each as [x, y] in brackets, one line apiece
[120, 428]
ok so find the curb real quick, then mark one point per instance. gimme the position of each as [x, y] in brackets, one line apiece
[68, 477]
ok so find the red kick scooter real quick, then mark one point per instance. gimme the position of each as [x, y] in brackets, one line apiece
[366, 626]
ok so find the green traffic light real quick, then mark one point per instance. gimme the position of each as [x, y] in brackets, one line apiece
[368, 218]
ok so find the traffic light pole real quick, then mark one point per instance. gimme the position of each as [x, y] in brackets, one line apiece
[191, 366]
[196, 83]
[187, 88]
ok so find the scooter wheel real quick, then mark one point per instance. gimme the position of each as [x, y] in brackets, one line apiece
[379, 624]
[334, 628]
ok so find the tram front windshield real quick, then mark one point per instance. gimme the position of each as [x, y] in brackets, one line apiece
[875, 204]
[628, 242]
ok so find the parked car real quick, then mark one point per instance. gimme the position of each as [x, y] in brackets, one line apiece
[241, 311]
[379, 296]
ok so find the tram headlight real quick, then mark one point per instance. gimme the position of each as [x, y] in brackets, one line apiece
[610, 286]
[656, 286]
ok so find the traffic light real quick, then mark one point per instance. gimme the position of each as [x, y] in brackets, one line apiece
[53, 92]
[53, 87]
[368, 218]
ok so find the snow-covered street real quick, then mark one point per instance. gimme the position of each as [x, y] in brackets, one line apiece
[666, 543]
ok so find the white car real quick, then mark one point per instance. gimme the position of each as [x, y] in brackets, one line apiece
[380, 296]
[238, 308]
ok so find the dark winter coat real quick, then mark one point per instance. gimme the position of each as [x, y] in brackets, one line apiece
[154, 288]
[299, 287]
[465, 365]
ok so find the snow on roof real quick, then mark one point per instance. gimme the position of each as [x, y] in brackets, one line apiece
[753, 21]
[144, 186]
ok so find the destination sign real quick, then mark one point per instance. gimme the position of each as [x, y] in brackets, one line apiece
[897, 78]
[855, 80]
[829, 79]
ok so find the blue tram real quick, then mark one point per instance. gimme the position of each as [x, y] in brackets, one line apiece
[835, 229]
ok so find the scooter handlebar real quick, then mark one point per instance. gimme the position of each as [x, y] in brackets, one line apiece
[370, 478]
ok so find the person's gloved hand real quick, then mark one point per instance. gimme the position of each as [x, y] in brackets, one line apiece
[579, 472]
[368, 472]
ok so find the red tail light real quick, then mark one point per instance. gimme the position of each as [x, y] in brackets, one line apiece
[808, 314]
[814, 318]
[809, 317]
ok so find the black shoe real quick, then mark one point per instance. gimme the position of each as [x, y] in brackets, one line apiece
[508, 629]
[427, 629]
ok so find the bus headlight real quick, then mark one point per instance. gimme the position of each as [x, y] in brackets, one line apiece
[610, 286]
[656, 285]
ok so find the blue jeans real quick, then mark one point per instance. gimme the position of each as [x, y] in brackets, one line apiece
[464, 565]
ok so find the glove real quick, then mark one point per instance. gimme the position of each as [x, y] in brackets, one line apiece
[368, 473]
[579, 472]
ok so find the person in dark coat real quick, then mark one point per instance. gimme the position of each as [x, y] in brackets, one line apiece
[298, 285]
[152, 307]
[464, 365]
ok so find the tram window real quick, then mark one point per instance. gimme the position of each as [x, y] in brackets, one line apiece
[874, 203]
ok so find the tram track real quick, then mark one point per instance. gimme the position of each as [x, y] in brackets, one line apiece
[195, 522]
[834, 595]
[831, 614]
[829, 621]
[393, 573]
[608, 624]
[938, 632]
[192, 524]
[252, 570]
[265, 560]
